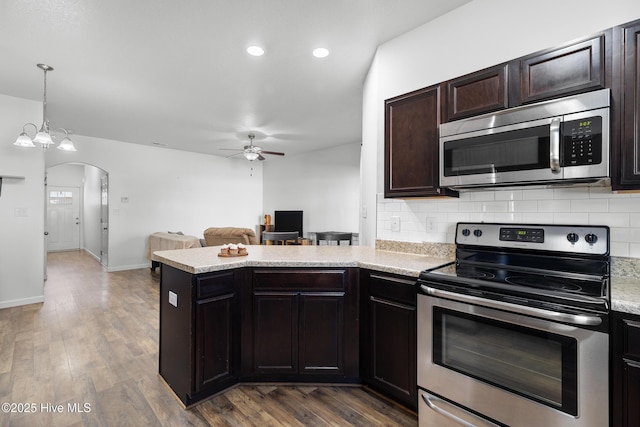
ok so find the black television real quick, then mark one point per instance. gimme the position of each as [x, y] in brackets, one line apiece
[288, 221]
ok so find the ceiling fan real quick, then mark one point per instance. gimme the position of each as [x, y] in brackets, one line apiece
[252, 152]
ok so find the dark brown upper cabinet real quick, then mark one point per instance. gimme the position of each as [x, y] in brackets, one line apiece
[625, 163]
[477, 93]
[578, 67]
[411, 144]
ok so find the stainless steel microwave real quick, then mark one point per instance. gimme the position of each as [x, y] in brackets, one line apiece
[564, 140]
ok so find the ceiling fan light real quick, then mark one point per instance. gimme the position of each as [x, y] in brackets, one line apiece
[43, 138]
[23, 140]
[66, 145]
[250, 155]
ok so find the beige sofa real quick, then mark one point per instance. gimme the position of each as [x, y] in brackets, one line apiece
[215, 236]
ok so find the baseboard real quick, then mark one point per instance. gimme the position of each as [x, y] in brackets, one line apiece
[22, 301]
[94, 256]
[128, 267]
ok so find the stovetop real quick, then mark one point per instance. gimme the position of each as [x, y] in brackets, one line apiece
[545, 268]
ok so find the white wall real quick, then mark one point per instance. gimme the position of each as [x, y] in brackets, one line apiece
[155, 189]
[475, 36]
[325, 184]
[21, 237]
[92, 231]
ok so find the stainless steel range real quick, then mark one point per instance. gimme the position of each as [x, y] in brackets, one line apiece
[515, 331]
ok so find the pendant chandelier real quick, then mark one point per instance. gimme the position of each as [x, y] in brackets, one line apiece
[43, 136]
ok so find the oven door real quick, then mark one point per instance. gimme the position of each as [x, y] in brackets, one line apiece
[512, 368]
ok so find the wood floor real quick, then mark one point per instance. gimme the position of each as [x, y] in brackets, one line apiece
[88, 356]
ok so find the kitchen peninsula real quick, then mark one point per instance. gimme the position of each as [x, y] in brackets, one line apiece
[286, 313]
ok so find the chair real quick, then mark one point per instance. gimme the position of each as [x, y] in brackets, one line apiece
[215, 236]
[273, 237]
[335, 236]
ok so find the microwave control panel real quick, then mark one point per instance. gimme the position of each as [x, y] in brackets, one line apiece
[582, 141]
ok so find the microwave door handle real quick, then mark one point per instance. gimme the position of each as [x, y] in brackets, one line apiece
[554, 145]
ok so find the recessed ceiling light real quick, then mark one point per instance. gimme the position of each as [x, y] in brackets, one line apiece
[320, 52]
[255, 50]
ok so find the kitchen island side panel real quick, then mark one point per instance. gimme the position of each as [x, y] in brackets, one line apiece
[176, 334]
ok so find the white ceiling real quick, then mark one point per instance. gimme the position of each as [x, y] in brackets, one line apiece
[176, 73]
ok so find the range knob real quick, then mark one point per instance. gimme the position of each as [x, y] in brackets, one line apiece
[591, 238]
[573, 237]
[477, 233]
[466, 232]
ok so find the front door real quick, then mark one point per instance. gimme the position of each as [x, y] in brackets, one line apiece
[63, 213]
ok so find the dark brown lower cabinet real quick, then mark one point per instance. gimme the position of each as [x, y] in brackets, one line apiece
[389, 335]
[626, 370]
[199, 332]
[301, 325]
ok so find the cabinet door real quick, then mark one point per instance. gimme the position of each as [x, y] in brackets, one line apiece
[215, 341]
[275, 332]
[393, 347]
[626, 158]
[551, 74]
[322, 333]
[216, 331]
[389, 336]
[480, 92]
[625, 339]
[411, 144]
[631, 393]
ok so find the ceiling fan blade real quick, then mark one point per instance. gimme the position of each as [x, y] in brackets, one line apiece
[261, 157]
[275, 153]
[230, 149]
[233, 155]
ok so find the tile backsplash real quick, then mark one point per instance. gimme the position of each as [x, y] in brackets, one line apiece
[434, 219]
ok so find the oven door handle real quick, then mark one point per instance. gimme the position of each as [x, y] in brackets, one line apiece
[554, 145]
[431, 403]
[574, 319]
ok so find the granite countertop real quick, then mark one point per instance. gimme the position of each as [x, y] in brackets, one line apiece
[625, 291]
[625, 294]
[204, 260]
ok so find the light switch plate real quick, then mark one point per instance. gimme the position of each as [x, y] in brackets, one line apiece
[395, 223]
[173, 299]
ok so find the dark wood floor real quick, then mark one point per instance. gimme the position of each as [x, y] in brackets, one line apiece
[89, 356]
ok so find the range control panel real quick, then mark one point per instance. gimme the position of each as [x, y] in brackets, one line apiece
[559, 238]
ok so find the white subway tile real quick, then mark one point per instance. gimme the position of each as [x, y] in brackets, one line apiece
[537, 218]
[573, 218]
[470, 206]
[554, 206]
[621, 249]
[620, 234]
[525, 206]
[494, 207]
[624, 205]
[590, 205]
[537, 194]
[508, 217]
[600, 193]
[571, 193]
[634, 250]
[508, 195]
[610, 219]
[480, 195]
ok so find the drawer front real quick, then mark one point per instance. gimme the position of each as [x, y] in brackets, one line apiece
[393, 288]
[631, 339]
[209, 285]
[300, 279]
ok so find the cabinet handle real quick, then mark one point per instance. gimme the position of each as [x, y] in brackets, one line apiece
[392, 304]
[430, 401]
[554, 145]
